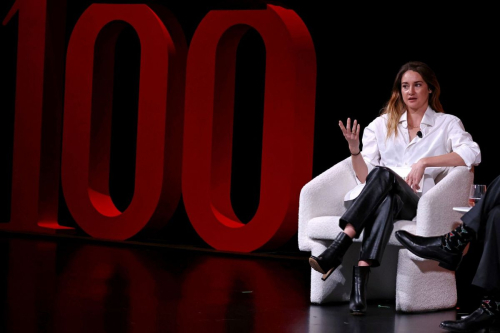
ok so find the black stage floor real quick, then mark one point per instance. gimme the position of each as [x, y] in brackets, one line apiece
[54, 284]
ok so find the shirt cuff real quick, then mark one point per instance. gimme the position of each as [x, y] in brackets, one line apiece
[468, 156]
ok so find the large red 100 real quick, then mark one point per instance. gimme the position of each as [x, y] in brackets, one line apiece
[180, 91]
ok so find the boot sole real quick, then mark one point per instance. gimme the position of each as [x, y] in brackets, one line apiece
[449, 329]
[314, 265]
[357, 313]
[445, 265]
[485, 329]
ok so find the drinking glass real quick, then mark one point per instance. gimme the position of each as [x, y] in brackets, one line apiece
[476, 193]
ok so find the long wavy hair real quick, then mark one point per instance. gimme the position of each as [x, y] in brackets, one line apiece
[395, 107]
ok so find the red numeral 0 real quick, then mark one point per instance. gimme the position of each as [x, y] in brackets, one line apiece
[287, 141]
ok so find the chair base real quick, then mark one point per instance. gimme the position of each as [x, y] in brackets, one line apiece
[423, 286]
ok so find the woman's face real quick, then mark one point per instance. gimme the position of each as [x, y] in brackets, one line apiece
[415, 91]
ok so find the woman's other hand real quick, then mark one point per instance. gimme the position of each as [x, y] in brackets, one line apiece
[415, 175]
[351, 134]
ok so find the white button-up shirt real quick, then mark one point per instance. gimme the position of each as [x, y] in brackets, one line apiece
[441, 134]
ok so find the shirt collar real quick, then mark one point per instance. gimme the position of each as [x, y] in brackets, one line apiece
[428, 118]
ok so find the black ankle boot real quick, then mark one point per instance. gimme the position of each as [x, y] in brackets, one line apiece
[357, 303]
[447, 249]
[332, 257]
[482, 318]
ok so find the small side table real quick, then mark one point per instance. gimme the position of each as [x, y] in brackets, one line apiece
[462, 210]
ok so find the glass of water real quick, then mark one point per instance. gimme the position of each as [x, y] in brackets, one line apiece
[476, 193]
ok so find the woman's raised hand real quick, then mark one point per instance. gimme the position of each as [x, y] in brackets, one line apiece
[351, 134]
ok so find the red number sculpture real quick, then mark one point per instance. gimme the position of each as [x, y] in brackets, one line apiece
[38, 115]
[87, 131]
[287, 144]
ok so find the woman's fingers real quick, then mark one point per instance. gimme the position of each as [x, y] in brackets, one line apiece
[341, 125]
[355, 129]
[350, 133]
[354, 126]
[414, 186]
[413, 182]
[348, 129]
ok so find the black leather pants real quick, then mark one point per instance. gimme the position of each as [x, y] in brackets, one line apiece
[385, 197]
[484, 219]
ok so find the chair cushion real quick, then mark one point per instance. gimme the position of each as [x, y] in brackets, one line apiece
[327, 228]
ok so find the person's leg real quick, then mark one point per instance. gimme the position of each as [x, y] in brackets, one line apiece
[487, 277]
[474, 218]
[376, 235]
[377, 231]
[379, 183]
[487, 274]
[400, 203]
[482, 318]
[448, 249]
[384, 196]
[377, 225]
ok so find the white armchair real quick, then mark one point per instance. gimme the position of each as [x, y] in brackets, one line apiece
[416, 284]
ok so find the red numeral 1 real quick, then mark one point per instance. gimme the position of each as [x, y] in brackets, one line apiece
[38, 115]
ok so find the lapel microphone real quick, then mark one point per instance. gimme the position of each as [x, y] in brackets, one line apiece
[419, 134]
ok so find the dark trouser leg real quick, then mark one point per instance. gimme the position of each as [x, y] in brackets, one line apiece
[488, 271]
[379, 183]
[474, 218]
[448, 248]
[377, 234]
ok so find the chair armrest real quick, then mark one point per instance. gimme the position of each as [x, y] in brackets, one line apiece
[435, 214]
[324, 196]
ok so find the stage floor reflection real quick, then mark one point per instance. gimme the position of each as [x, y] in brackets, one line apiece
[70, 285]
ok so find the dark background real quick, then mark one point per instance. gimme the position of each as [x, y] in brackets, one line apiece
[359, 50]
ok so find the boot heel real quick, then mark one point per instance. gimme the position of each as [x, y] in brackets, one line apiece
[450, 266]
[447, 266]
[331, 258]
[325, 276]
[314, 264]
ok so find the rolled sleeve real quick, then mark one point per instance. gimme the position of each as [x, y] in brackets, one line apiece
[371, 152]
[462, 144]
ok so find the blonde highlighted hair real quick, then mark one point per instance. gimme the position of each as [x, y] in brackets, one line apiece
[395, 107]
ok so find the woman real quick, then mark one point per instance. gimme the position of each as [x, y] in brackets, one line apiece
[481, 225]
[412, 130]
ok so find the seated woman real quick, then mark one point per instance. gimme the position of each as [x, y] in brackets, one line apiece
[412, 130]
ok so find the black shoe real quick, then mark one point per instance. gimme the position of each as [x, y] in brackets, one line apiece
[332, 257]
[482, 318]
[433, 248]
[357, 303]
